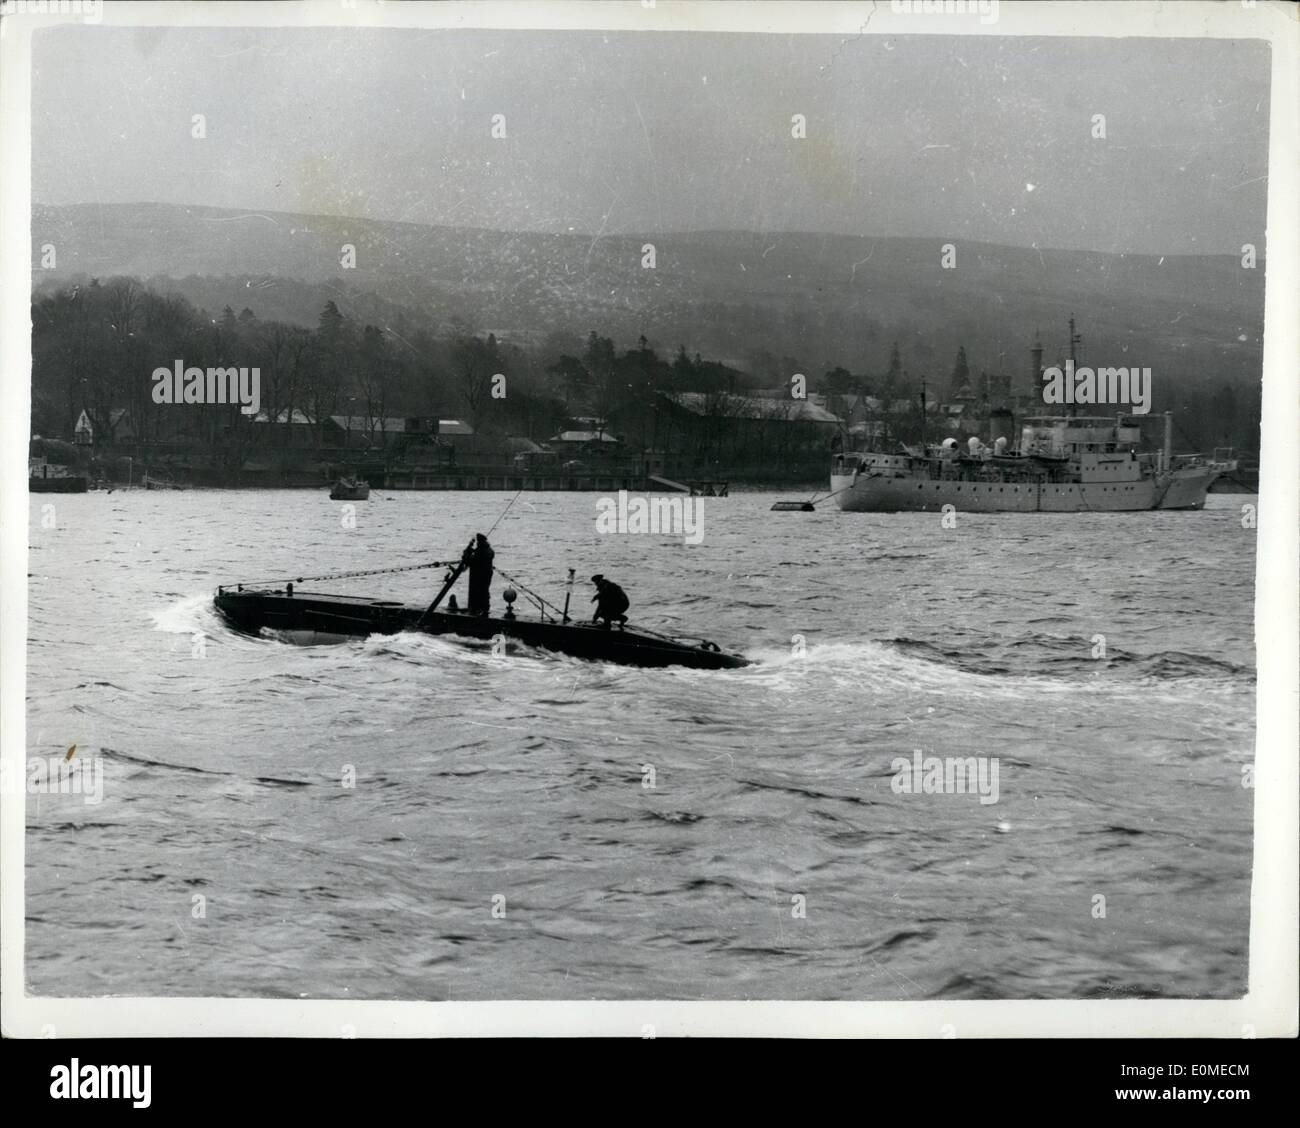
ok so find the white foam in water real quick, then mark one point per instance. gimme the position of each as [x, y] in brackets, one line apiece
[308, 638]
[185, 616]
[875, 665]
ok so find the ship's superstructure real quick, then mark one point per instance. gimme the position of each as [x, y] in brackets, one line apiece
[1063, 464]
[1059, 464]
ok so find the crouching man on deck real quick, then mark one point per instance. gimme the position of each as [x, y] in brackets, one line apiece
[611, 602]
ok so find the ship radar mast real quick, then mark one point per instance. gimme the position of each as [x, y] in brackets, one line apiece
[1075, 342]
[923, 448]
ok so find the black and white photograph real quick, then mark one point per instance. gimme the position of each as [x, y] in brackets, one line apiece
[650, 504]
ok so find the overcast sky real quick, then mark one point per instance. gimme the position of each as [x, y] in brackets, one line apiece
[964, 137]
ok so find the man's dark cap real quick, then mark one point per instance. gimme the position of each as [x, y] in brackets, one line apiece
[596, 579]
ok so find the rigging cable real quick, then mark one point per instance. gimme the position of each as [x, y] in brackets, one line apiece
[503, 513]
[344, 575]
[542, 602]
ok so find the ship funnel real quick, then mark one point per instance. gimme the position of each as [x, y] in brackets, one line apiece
[1001, 422]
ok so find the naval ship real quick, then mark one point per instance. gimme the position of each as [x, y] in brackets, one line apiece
[1061, 464]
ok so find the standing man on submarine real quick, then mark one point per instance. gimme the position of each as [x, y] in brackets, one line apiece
[478, 558]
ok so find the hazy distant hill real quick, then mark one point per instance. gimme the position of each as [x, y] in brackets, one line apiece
[821, 300]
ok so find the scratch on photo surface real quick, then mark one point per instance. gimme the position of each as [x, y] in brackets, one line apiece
[507, 728]
[232, 218]
[857, 264]
[898, 975]
[862, 29]
[654, 171]
[601, 230]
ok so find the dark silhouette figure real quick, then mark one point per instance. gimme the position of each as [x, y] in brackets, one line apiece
[611, 602]
[478, 557]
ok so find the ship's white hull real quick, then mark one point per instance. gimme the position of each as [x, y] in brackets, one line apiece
[1181, 489]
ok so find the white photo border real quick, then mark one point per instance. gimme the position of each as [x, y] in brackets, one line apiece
[1269, 1008]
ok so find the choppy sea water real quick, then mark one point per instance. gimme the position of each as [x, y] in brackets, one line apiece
[500, 840]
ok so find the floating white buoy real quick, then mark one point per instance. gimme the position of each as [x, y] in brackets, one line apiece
[1004, 827]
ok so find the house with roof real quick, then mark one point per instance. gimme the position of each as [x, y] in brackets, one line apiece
[121, 428]
[778, 410]
[298, 429]
[729, 425]
[369, 432]
[294, 428]
[583, 441]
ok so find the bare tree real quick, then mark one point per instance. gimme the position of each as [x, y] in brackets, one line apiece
[373, 378]
[474, 363]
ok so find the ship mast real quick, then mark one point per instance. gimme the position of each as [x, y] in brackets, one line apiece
[1075, 341]
[923, 449]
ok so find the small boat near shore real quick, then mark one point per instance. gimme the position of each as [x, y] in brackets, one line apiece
[350, 489]
[44, 476]
[156, 481]
[58, 483]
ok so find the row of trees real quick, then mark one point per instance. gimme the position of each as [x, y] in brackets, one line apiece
[96, 344]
